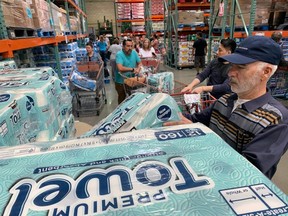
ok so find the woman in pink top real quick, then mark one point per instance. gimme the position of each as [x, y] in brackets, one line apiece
[147, 51]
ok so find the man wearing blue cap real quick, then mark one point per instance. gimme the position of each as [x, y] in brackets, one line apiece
[250, 120]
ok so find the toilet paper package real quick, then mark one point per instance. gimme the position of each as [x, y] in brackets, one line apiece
[18, 120]
[7, 64]
[174, 171]
[83, 82]
[161, 82]
[139, 111]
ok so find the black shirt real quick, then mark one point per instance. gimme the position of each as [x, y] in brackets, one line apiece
[199, 46]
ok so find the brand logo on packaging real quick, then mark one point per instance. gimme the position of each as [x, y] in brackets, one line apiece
[164, 113]
[4, 97]
[99, 190]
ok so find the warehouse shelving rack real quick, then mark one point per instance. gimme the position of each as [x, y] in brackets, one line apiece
[150, 18]
[8, 46]
[232, 33]
[122, 21]
[171, 27]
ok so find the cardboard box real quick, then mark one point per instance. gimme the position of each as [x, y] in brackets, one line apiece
[7, 13]
[22, 14]
[41, 15]
[190, 17]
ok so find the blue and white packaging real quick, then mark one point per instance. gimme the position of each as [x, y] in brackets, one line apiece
[7, 64]
[83, 82]
[139, 111]
[27, 73]
[161, 82]
[51, 98]
[183, 170]
[18, 120]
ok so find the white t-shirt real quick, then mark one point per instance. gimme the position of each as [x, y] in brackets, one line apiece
[146, 53]
[114, 48]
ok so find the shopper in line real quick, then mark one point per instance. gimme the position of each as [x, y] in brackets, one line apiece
[113, 49]
[199, 52]
[250, 120]
[137, 44]
[216, 72]
[147, 51]
[91, 54]
[128, 62]
[102, 47]
[155, 43]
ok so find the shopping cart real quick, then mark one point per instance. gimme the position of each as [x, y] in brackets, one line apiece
[138, 83]
[89, 102]
[152, 63]
[193, 103]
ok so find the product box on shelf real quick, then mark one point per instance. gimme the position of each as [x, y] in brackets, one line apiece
[7, 9]
[41, 15]
[22, 14]
[179, 170]
[190, 17]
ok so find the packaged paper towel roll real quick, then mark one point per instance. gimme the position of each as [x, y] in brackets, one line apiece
[18, 120]
[184, 170]
[83, 82]
[139, 111]
[161, 82]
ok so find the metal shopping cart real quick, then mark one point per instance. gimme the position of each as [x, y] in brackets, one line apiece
[89, 102]
[152, 63]
[193, 103]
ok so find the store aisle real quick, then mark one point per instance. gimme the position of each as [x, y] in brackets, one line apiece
[186, 75]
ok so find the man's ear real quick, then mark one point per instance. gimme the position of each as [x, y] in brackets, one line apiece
[267, 72]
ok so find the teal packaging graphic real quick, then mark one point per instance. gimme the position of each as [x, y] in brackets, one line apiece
[7, 64]
[47, 94]
[174, 171]
[139, 111]
[24, 73]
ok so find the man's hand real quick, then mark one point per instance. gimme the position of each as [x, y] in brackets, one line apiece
[182, 121]
[137, 70]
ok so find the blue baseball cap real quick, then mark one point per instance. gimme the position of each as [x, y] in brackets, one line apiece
[255, 48]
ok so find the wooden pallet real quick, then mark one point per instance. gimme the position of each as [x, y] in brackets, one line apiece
[16, 33]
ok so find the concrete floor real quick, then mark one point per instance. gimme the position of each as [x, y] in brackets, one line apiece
[186, 75]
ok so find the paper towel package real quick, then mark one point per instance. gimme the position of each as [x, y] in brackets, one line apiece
[161, 82]
[7, 64]
[49, 95]
[18, 120]
[139, 111]
[181, 170]
[27, 73]
[83, 82]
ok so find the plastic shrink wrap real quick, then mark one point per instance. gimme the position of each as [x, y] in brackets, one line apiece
[181, 170]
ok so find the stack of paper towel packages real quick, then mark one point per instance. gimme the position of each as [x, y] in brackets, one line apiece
[35, 106]
[139, 111]
[183, 170]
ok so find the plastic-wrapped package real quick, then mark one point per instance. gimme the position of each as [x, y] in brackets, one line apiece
[161, 82]
[83, 82]
[139, 111]
[7, 64]
[48, 95]
[26, 73]
[174, 171]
